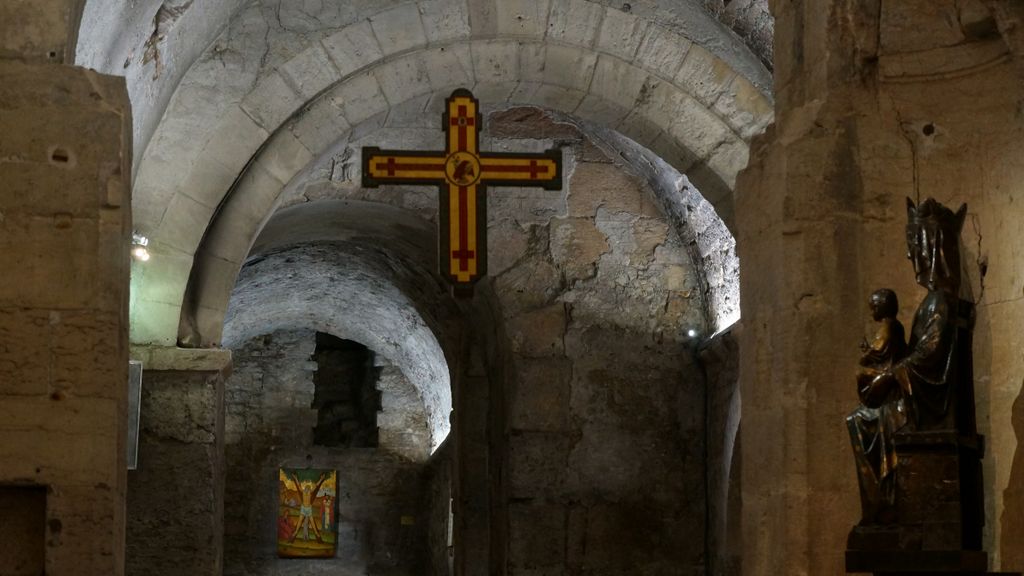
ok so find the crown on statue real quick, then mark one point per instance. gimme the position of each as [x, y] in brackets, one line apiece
[931, 213]
[933, 244]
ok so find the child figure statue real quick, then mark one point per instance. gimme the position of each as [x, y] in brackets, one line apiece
[889, 345]
[872, 429]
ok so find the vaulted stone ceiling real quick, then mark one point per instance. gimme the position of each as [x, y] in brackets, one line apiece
[335, 267]
[234, 101]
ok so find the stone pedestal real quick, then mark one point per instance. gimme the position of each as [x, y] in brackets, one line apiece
[176, 495]
[940, 506]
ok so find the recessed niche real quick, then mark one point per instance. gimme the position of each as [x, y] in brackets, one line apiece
[22, 530]
[62, 157]
[346, 397]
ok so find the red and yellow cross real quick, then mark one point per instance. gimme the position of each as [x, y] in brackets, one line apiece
[463, 174]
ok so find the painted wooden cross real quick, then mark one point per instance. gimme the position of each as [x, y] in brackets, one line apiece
[462, 173]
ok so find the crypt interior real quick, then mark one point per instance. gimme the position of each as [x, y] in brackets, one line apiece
[650, 380]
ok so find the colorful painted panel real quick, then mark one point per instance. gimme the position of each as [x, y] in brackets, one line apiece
[305, 513]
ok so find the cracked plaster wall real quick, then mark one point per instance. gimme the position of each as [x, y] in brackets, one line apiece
[705, 237]
[596, 291]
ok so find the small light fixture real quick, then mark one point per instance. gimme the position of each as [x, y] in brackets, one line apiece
[139, 243]
[691, 333]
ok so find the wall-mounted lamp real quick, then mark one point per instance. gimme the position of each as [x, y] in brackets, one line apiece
[139, 250]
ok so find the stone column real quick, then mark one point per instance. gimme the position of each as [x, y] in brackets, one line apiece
[910, 98]
[176, 495]
[476, 483]
[65, 224]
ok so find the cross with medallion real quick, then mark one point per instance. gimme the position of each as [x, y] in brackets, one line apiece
[462, 173]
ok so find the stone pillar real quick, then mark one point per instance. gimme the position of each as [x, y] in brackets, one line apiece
[65, 224]
[875, 102]
[176, 495]
[719, 360]
[476, 481]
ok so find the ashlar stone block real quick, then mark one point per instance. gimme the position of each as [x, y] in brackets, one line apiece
[414, 113]
[353, 47]
[445, 20]
[662, 51]
[704, 75]
[575, 21]
[619, 81]
[539, 333]
[24, 358]
[531, 61]
[449, 67]
[359, 98]
[79, 343]
[184, 223]
[728, 159]
[155, 322]
[495, 61]
[231, 235]
[540, 397]
[621, 34]
[697, 128]
[536, 535]
[271, 102]
[215, 280]
[556, 97]
[596, 108]
[403, 79]
[568, 67]
[319, 126]
[399, 29]
[523, 17]
[284, 156]
[310, 72]
[235, 140]
[37, 247]
[674, 152]
[207, 181]
[161, 278]
[639, 128]
[744, 108]
[536, 464]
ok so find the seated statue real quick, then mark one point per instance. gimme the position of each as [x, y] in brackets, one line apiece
[912, 388]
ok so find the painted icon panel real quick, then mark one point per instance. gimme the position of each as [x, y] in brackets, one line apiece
[305, 513]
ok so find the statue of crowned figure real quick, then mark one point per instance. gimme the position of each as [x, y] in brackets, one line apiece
[914, 436]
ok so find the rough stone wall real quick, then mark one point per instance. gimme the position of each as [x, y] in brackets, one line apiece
[64, 233]
[357, 291]
[438, 511]
[382, 492]
[874, 104]
[604, 411]
[176, 494]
